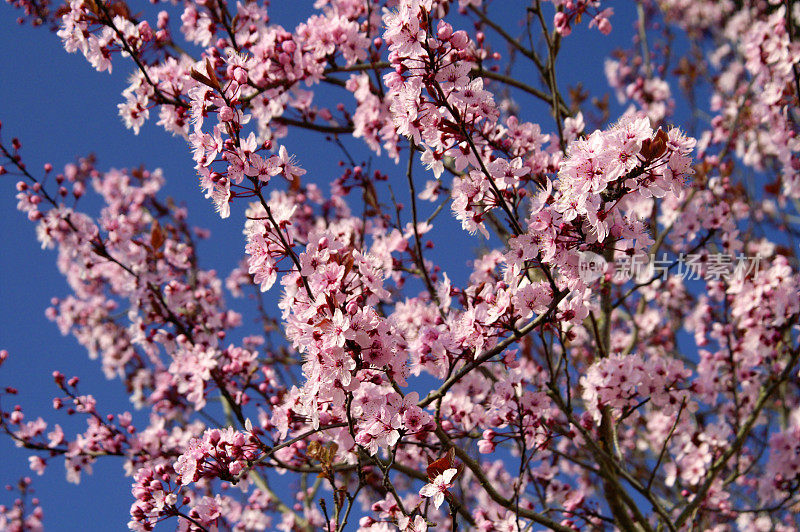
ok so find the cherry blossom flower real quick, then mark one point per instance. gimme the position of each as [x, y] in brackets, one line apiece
[439, 486]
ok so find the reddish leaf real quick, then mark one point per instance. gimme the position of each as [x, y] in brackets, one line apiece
[157, 237]
[445, 462]
[209, 78]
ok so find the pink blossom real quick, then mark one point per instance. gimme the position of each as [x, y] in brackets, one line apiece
[439, 486]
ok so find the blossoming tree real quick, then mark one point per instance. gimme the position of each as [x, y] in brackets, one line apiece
[622, 354]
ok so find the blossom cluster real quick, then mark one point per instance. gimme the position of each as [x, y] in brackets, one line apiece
[496, 389]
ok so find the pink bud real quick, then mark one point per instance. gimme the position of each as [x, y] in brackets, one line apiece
[145, 31]
[163, 20]
[444, 31]
[236, 467]
[561, 21]
[226, 114]
[459, 39]
[289, 47]
[240, 75]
